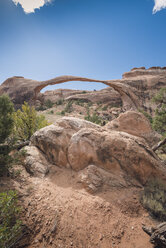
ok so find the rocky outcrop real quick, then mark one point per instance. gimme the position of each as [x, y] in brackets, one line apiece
[134, 123]
[35, 162]
[55, 95]
[54, 140]
[117, 152]
[107, 95]
[77, 144]
[135, 88]
[146, 83]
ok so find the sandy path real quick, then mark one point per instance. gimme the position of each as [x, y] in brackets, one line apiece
[62, 214]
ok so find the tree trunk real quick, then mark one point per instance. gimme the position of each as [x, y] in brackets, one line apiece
[160, 144]
[157, 235]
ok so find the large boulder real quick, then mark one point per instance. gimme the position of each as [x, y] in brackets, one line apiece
[135, 123]
[53, 140]
[76, 144]
[117, 152]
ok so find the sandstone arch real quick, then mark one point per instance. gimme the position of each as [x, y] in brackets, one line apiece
[135, 87]
[21, 89]
[129, 99]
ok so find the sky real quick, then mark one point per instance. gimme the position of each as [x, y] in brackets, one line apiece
[102, 39]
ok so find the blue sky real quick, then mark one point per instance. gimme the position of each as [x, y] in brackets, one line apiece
[94, 38]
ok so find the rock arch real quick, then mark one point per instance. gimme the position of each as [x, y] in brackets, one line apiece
[21, 89]
[129, 99]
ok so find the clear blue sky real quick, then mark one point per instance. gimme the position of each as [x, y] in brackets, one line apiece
[94, 38]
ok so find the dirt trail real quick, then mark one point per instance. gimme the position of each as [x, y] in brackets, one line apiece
[60, 213]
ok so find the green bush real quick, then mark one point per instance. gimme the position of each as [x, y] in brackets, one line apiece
[6, 118]
[94, 118]
[160, 97]
[46, 105]
[5, 163]
[62, 112]
[60, 102]
[41, 108]
[89, 104]
[84, 92]
[6, 127]
[49, 104]
[159, 121]
[51, 112]
[27, 122]
[105, 108]
[147, 115]
[68, 108]
[10, 225]
[153, 198]
[80, 102]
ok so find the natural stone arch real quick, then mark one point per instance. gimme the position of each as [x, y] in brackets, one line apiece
[21, 89]
[129, 99]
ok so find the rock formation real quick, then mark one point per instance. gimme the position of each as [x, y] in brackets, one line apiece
[78, 144]
[107, 95]
[134, 123]
[135, 88]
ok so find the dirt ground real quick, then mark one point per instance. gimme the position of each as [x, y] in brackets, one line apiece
[60, 213]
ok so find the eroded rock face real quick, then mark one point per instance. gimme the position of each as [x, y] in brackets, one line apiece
[113, 151]
[95, 179]
[76, 144]
[107, 95]
[35, 162]
[134, 123]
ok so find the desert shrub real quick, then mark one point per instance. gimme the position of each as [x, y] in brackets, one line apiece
[153, 198]
[105, 108]
[6, 127]
[99, 103]
[26, 122]
[58, 113]
[94, 118]
[48, 104]
[147, 115]
[5, 164]
[80, 102]
[115, 105]
[6, 118]
[160, 97]
[60, 102]
[68, 107]
[159, 121]
[89, 104]
[10, 225]
[51, 112]
[62, 112]
[41, 108]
